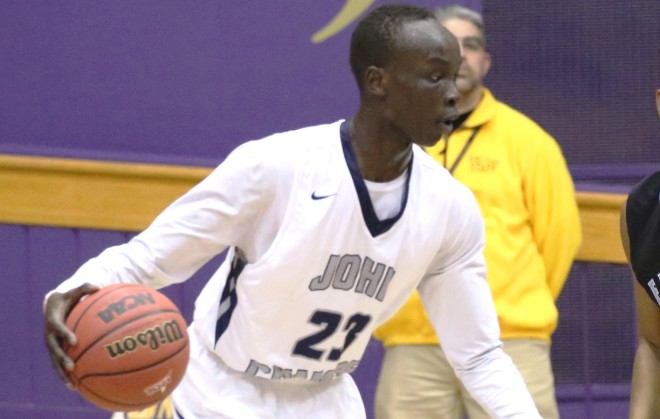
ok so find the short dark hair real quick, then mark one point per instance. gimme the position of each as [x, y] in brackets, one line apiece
[372, 41]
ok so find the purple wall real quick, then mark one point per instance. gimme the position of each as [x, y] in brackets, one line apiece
[180, 82]
[586, 70]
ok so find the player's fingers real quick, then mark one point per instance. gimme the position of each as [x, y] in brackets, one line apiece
[57, 308]
[72, 297]
[61, 362]
[55, 332]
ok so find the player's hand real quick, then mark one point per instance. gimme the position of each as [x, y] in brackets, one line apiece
[57, 308]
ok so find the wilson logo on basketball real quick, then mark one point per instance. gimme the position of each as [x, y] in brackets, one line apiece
[153, 338]
[125, 304]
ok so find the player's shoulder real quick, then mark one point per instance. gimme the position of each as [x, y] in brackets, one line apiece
[643, 201]
[437, 180]
[305, 138]
[285, 147]
[442, 199]
[646, 191]
[428, 165]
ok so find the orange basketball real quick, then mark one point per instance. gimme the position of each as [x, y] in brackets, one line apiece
[132, 347]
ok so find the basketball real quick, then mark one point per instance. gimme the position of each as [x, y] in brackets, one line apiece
[132, 347]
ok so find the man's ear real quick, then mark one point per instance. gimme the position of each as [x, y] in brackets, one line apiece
[486, 64]
[374, 81]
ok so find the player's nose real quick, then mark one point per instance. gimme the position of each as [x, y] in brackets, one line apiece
[452, 95]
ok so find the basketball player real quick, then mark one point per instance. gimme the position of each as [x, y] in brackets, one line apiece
[640, 233]
[328, 231]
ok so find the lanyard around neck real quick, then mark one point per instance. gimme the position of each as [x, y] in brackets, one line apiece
[463, 151]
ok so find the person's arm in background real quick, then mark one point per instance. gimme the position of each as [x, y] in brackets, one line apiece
[645, 391]
[550, 197]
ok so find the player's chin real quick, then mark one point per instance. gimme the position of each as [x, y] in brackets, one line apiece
[428, 140]
[431, 134]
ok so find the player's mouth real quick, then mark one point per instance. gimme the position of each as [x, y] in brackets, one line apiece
[446, 128]
[447, 123]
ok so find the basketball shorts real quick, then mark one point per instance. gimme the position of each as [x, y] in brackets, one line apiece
[210, 389]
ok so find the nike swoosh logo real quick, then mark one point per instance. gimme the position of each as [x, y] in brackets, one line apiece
[317, 197]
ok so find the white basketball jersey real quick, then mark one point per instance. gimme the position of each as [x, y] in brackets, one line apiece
[310, 270]
[306, 307]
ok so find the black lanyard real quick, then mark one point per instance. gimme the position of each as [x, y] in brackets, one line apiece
[463, 151]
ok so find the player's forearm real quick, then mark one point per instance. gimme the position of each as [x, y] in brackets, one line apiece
[463, 313]
[125, 263]
[499, 388]
[645, 393]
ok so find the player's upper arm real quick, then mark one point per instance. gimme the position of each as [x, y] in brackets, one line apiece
[455, 292]
[465, 241]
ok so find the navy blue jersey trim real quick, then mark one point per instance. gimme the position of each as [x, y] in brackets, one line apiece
[376, 227]
[229, 298]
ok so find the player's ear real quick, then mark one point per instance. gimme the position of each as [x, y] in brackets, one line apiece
[374, 80]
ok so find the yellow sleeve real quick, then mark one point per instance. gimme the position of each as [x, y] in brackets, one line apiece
[550, 197]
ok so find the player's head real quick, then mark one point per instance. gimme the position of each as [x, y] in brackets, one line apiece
[405, 64]
[373, 40]
[468, 27]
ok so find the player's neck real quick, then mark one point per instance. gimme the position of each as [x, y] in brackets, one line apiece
[381, 155]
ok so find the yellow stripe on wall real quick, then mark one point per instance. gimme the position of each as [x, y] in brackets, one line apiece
[89, 194]
[116, 196]
[599, 213]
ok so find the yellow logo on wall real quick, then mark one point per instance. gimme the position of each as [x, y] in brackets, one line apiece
[348, 13]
